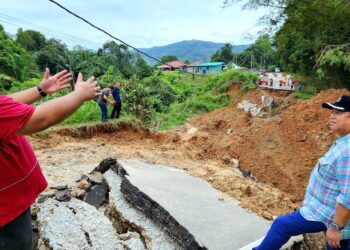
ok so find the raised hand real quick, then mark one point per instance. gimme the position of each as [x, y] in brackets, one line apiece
[58, 82]
[86, 90]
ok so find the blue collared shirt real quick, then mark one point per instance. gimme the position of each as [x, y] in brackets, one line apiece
[329, 184]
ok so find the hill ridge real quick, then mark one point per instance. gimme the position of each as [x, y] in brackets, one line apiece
[193, 50]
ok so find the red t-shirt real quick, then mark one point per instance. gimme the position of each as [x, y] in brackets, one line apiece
[21, 179]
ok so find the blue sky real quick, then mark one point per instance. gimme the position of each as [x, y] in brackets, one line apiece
[141, 23]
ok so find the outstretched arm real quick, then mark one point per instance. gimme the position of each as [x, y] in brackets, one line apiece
[49, 84]
[56, 110]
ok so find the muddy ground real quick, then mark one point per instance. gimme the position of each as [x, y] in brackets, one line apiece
[278, 149]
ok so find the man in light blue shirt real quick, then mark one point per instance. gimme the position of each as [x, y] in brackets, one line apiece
[326, 206]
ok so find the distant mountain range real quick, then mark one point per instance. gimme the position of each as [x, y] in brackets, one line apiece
[193, 50]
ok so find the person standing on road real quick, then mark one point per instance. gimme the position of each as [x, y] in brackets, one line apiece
[21, 179]
[326, 206]
[117, 105]
[103, 100]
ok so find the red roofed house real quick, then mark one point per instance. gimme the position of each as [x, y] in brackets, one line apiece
[174, 65]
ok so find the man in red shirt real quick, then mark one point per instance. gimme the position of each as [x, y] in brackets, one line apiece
[21, 179]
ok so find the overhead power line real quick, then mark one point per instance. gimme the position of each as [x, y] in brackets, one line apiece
[114, 37]
[17, 21]
[104, 31]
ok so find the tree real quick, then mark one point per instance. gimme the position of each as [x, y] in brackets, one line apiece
[30, 40]
[313, 35]
[223, 55]
[51, 56]
[263, 52]
[313, 29]
[86, 61]
[119, 56]
[187, 61]
[142, 68]
[168, 58]
[277, 7]
[15, 61]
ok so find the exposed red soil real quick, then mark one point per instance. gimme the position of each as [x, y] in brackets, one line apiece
[279, 151]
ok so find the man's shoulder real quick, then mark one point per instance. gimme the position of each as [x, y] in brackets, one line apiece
[342, 146]
[105, 91]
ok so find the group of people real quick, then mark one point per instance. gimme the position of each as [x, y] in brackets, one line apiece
[116, 101]
[326, 206]
[277, 81]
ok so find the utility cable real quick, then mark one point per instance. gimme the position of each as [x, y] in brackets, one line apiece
[15, 21]
[105, 32]
[114, 37]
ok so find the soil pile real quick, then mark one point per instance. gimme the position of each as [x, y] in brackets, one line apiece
[278, 151]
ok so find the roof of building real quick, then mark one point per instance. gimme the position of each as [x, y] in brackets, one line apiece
[163, 66]
[211, 64]
[174, 64]
[194, 64]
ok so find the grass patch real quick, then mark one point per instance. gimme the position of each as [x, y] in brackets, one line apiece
[91, 128]
[247, 86]
[210, 94]
[88, 112]
[306, 92]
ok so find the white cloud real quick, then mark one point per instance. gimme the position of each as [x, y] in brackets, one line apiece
[142, 23]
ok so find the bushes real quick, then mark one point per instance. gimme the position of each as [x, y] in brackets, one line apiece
[158, 97]
[210, 95]
[306, 92]
[247, 86]
[222, 82]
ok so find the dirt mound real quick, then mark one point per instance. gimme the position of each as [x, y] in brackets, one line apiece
[281, 150]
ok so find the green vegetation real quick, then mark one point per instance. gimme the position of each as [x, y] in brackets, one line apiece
[312, 37]
[306, 92]
[210, 94]
[161, 98]
[225, 54]
[88, 112]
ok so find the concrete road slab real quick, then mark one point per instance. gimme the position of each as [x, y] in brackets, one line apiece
[215, 223]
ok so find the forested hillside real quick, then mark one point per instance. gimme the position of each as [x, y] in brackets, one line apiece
[192, 50]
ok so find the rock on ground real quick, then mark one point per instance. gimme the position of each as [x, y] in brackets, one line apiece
[75, 225]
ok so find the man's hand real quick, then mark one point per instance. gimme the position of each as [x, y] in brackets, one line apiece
[52, 84]
[333, 238]
[54, 111]
[86, 90]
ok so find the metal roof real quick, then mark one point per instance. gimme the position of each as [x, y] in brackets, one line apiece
[174, 64]
[211, 64]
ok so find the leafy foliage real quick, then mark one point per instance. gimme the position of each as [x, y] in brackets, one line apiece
[223, 55]
[261, 54]
[15, 62]
[313, 36]
[168, 58]
[31, 40]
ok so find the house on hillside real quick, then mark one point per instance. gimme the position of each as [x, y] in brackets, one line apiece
[193, 67]
[174, 65]
[211, 67]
